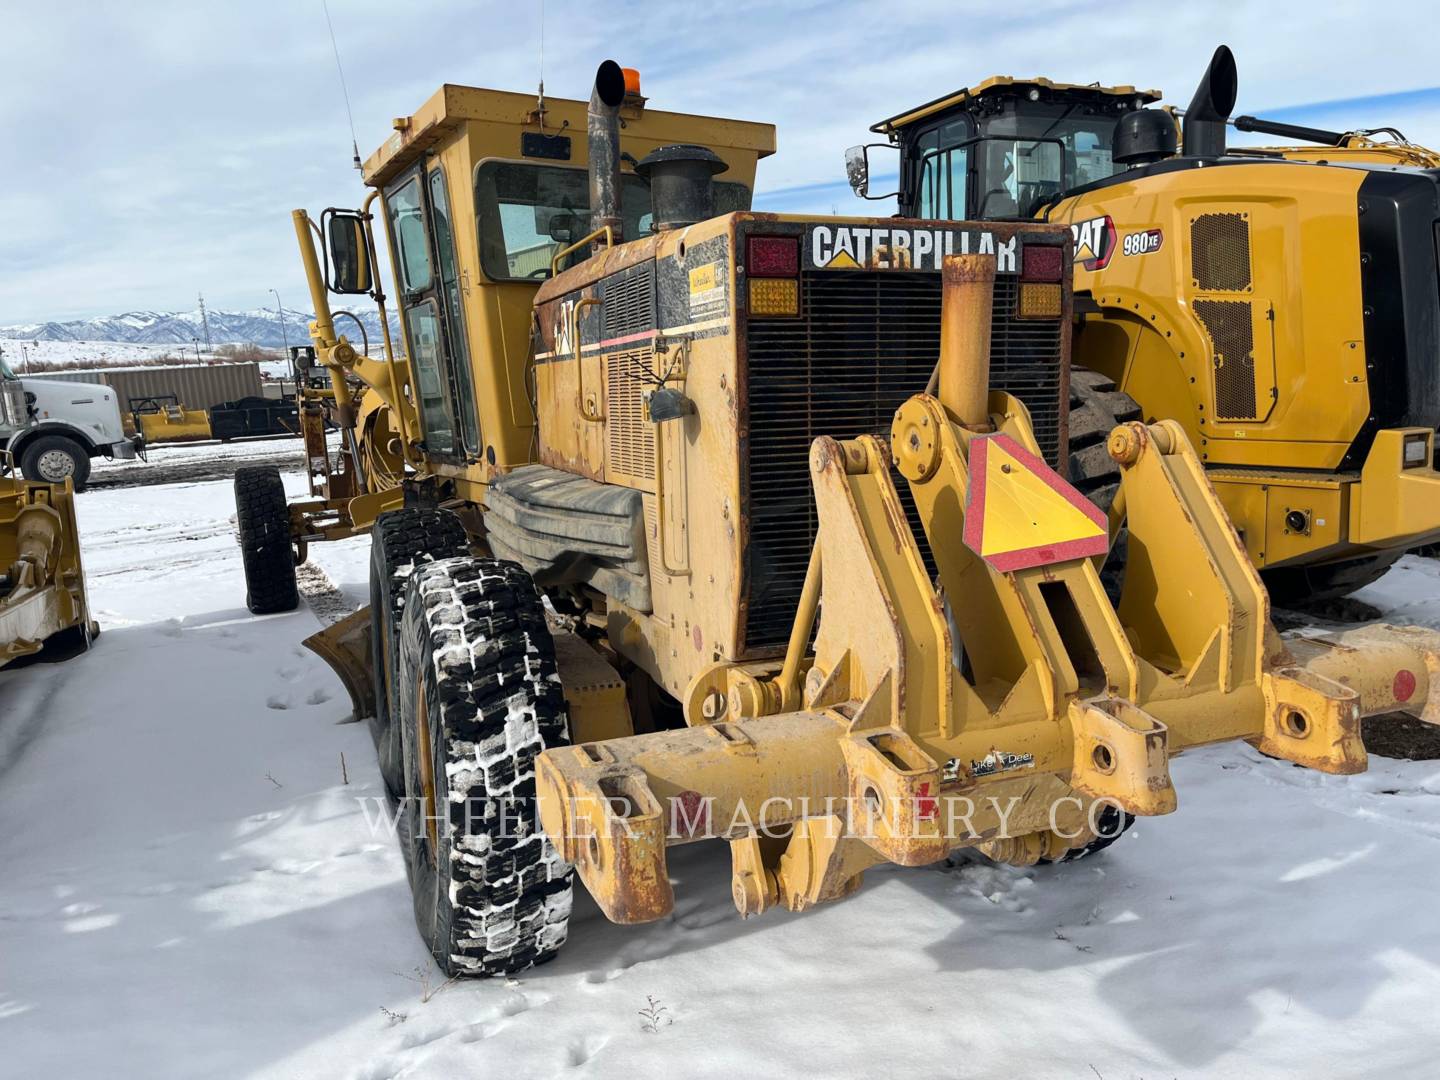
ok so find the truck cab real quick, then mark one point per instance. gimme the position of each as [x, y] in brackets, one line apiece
[50, 428]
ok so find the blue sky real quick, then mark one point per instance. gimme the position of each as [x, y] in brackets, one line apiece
[156, 148]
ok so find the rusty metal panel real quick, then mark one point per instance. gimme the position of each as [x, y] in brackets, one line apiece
[197, 387]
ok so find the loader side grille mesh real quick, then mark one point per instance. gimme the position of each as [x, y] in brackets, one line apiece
[1231, 331]
[865, 341]
[1220, 252]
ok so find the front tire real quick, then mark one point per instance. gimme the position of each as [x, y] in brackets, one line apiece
[263, 518]
[400, 541]
[53, 459]
[480, 698]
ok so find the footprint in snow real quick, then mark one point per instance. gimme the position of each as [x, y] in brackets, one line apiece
[380, 1070]
[319, 696]
[599, 978]
[582, 1050]
[423, 1038]
[278, 701]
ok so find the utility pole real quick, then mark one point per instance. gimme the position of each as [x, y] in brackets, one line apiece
[280, 311]
[205, 320]
[196, 343]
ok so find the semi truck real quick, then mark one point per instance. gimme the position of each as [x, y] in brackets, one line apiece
[50, 430]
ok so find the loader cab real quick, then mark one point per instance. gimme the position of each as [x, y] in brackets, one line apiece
[482, 196]
[1004, 149]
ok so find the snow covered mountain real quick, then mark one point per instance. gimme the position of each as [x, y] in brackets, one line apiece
[259, 327]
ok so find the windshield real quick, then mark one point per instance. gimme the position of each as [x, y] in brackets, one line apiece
[526, 213]
[1012, 161]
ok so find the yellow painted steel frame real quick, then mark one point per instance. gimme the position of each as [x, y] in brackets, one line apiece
[991, 709]
[42, 581]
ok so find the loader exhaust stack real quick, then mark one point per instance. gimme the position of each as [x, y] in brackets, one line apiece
[1209, 109]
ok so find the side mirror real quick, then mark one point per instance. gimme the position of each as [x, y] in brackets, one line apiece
[564, 227]
[347, 252]
[857, 169]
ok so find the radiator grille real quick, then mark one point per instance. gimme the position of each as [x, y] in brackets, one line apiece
[630, 438]
[1220, 252]
[1232, 335]
[865, 342]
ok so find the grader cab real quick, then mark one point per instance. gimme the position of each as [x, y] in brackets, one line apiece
[749, 536]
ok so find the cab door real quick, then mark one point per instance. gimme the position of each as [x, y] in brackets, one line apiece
[420, 223]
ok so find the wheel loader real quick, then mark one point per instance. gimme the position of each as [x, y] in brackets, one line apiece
[751, 527]
[1281, 305]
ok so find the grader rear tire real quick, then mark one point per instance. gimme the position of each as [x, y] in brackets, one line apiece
[266, 551]
[399, 541]
[479, 699]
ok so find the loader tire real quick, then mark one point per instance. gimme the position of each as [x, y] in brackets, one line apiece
[266, 551]
[399, 541]
[1302, 586]
[479, 699]
[1096, 408]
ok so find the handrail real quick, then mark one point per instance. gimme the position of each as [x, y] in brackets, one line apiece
[559, 257]
[580, 305]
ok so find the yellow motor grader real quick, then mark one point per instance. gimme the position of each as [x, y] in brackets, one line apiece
[735, 526]
[1282, 305]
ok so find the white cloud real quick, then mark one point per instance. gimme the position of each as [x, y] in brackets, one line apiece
[156, 148]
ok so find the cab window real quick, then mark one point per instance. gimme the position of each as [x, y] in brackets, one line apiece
[526, 213]
[407, 224]
[944, 170]
[1013, 159]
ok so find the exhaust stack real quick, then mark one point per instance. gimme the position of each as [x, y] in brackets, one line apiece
[1204, 130]
[602, 131]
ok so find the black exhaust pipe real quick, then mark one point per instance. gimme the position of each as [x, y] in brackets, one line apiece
[602, 131]
[1204, 128]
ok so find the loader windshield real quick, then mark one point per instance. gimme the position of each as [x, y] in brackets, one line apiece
[527, 213]
[1008, 161]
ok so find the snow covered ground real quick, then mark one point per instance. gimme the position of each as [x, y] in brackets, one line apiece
[188, 888]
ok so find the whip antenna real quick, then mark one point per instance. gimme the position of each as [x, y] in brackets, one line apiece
[344, 90]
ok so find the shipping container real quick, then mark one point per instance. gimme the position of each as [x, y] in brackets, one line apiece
[196, 386]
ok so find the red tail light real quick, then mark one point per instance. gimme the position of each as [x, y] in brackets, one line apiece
[1041, 262]
[772, 256]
